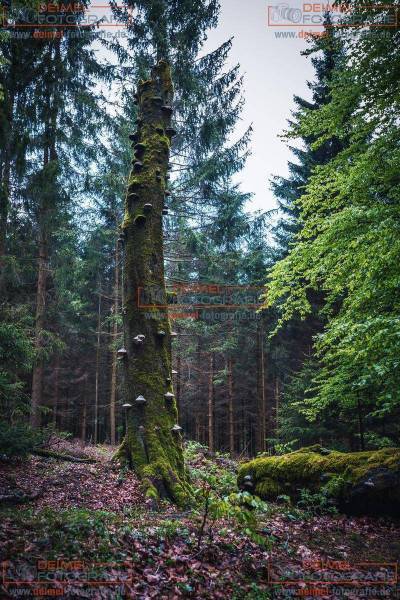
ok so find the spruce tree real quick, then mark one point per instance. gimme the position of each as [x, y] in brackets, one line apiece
[328, 55]
[47, 117]
[291, 349]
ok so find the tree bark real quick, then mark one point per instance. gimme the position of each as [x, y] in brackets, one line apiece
[84, 414]
[178, 381]
[97, 374]
[56, 389]
[277, 402]
[261, 404]
[153, 443]
[37, 376]
[113, 396]
[211, 403]
[231, 415]
[44, 223]
[5, 174]
[360, 423]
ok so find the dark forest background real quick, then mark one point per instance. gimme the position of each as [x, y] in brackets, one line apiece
[320, 361]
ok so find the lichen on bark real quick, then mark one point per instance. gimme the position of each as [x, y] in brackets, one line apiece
[150, 446]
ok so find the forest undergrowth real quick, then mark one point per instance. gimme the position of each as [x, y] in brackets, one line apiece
[227, 545]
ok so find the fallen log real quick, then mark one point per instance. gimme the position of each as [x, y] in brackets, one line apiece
[60, 456]
[18, 498]
[356, 482]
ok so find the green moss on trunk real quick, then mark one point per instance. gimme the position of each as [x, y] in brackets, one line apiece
[150, 446]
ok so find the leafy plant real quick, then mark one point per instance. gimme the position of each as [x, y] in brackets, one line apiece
[19, 440]
[318, 503]
[240, 507]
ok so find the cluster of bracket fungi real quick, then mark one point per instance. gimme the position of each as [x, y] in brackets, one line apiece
[139, 220]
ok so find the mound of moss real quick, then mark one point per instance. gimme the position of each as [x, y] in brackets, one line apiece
[358, 482]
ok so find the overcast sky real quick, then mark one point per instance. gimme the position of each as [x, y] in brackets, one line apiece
[274, 70]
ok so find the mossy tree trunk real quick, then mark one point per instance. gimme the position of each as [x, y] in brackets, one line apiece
[152, 445]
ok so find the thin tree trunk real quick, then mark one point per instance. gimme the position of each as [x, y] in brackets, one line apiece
[56, 390]
[96, 391]
[4, 207]
[211, 403]
[153, 443]
[37, 376]
[261, 392]
[49, 154]
[178, 382]
[277, 403]
[114, 359]
[231, 415]
[84, 415]
[5, 174]
[198, 396]
[360, 423]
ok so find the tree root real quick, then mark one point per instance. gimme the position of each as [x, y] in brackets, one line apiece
[59, 456]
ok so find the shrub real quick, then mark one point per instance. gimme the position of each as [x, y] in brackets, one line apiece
[19, 440]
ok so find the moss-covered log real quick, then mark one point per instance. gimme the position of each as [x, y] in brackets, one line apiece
[358, 482]
[152, 445]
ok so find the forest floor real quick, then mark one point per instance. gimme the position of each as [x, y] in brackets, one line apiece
[91, 522]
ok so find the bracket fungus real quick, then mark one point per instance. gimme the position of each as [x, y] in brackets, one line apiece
[141, 400]
[139, 220]
[176, 429]
[121, 353]
[140, 147]
[248, 481]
